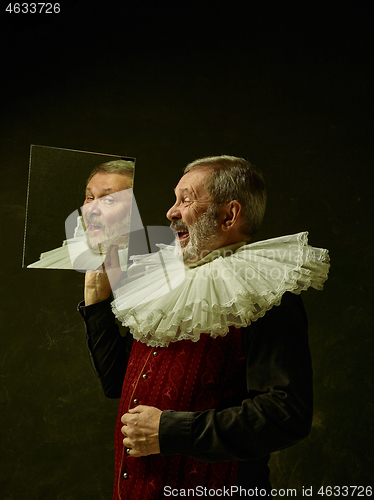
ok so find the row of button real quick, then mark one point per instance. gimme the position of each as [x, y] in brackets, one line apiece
[126, 475]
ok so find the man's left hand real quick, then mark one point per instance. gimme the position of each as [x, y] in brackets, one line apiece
[141, 431]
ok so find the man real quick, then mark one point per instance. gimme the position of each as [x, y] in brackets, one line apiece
[107, 206]
[204, 414]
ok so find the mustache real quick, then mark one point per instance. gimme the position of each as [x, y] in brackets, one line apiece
[93, 219]
[179, 226]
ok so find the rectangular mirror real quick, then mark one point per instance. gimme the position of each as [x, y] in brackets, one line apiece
[78, 204]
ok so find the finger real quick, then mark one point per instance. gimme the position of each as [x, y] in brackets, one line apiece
[123, 430]
[91, 275]
[128, 445]
[113, 256]
[127, 419]
[137, 409]
[111, 260]
[89, 271]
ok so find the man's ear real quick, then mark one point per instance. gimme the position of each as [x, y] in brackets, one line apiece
[231, 215]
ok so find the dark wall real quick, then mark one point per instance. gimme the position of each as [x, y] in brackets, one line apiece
[286, 84]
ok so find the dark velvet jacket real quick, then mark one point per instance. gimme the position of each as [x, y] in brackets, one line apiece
[275, 406]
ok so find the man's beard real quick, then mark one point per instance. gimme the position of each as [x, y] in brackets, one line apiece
[115, 234]
[202, 236]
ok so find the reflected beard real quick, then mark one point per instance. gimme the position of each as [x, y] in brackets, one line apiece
[116, 234]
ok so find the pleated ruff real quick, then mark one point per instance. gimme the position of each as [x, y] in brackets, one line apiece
[167, 301]
[74, 253]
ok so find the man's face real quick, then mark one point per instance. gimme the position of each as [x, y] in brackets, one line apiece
[193, 217]
[106, 210]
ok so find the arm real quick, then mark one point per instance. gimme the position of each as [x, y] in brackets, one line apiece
[109, 351]
[277, 411]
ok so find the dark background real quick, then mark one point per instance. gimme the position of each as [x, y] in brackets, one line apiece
[287, 85]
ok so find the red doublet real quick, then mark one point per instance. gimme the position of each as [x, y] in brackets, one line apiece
[185, 376]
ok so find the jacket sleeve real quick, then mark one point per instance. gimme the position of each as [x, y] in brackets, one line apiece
[277, 409]
[109, 350]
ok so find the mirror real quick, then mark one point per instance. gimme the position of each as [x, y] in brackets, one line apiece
[78, 204]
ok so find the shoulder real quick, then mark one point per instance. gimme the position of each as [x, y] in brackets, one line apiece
[290, 311]
[284, 323]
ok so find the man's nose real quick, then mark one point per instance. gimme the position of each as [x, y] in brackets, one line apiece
[173, 213]
[92, 207]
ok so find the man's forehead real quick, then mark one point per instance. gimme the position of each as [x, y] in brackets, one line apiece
[109, 182]
[182, 189]
[193, 181]
[102, 189]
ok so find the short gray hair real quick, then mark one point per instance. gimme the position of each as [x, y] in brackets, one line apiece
[233, 178]
[123, 167]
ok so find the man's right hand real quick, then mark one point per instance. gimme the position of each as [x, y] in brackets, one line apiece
[98, 284]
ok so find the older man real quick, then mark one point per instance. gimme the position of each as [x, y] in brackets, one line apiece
[201, 412]
[107, 205]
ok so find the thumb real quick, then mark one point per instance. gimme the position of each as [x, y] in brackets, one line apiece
[137, 409]
[111, 258]
[111, 266]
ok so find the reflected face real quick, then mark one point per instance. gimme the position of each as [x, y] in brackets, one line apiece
[193, 217]
[106, 210]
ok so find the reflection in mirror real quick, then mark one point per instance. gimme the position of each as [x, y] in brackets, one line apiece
[57, 178]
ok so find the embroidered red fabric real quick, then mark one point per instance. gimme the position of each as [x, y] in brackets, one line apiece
[185, 376]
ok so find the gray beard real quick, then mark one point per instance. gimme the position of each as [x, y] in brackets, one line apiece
[202, 236]
[112, 236]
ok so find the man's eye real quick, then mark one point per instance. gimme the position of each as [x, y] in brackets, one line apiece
[108, 201]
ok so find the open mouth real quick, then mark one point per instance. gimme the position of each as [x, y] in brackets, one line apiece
[182, 235]
[181, 232]
[93, 227]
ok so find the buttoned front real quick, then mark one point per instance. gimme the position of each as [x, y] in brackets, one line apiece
[185, 376]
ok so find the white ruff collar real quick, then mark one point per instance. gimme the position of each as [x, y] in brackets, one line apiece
[76, 254]
[165, 301]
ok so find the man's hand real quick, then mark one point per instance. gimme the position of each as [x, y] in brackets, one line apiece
[98, 284]
[141, 431]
